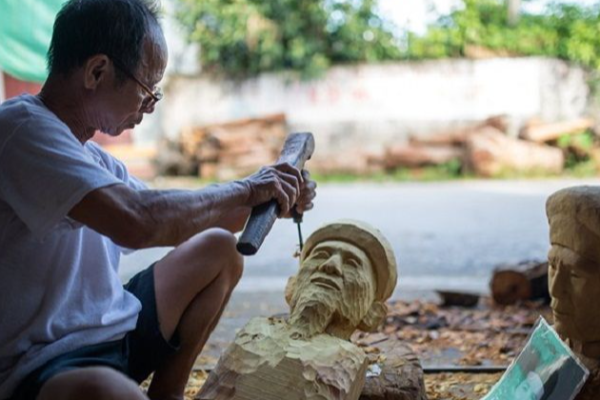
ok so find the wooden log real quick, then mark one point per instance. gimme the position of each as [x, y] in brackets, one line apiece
[211, 143]
[411, 156]
[394, 373]
[355, 161]
[190, 139]
[540, 132]
[229, 156]
[208, 170]
[461, 299]
[524, 281]
[490, 152]
[171, 161]
[208, 151]
[458, 137]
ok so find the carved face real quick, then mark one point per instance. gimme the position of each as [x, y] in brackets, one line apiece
[574, 285]
[336, 276]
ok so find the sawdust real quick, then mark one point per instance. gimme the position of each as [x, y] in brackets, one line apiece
[487, 335]
[459, 386]
[195, 382]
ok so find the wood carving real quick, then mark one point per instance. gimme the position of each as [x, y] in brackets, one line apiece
[347, 272]
[574, 275]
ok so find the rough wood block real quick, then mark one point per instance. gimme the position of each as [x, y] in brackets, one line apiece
[399, 377]
[265, 363]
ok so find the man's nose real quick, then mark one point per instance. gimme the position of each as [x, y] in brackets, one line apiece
[332, 266]
[147, 109]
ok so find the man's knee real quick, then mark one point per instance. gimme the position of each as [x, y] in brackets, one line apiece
[221, 246]
[91, 383]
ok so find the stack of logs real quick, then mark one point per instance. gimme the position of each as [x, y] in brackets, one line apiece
[485, 149]
[233, 149]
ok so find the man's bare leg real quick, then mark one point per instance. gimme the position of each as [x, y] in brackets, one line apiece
[91, 383]
[193, 284]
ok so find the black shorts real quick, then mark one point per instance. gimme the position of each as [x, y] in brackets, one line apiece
[137, 355]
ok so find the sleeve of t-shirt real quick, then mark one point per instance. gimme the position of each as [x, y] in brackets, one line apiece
[116, 167]
[45, 172]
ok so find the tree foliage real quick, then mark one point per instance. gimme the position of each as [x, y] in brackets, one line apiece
[566, 30]
[241, 38]
[245, 37]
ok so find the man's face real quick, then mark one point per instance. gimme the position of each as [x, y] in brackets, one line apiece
[122, 105]
[340, 273]
[574, 285]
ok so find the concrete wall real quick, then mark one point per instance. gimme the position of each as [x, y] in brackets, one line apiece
[373, 105]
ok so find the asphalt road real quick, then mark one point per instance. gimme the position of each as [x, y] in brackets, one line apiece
[445, 235]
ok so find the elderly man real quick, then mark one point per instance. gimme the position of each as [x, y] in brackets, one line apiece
[69, 330]
[347, 272]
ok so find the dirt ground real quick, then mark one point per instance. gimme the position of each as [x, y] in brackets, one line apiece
[486, 335]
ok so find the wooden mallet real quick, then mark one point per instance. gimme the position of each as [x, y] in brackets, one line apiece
[298, 148]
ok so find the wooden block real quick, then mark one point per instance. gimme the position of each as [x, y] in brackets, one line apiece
[265, 363]
[394, 373]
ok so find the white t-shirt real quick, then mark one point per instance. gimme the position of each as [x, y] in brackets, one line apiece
[59, 283]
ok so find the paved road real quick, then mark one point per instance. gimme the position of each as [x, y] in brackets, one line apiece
[445, 236]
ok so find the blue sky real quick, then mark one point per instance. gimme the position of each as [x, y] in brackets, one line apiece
[413, 14]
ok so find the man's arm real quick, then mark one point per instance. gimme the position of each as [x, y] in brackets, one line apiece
[148, 218]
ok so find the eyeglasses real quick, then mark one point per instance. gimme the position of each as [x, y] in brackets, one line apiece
[152, 95]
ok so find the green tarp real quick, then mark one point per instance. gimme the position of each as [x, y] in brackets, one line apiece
[25, 31]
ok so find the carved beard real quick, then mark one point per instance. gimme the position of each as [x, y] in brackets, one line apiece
[313, 310]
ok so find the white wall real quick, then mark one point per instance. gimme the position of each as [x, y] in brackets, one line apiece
[373, 105]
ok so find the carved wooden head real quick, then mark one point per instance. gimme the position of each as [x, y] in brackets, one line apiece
[347, 272]
[574, 262]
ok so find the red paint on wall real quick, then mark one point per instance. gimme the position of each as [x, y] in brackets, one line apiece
[105, 140]
[14, 87]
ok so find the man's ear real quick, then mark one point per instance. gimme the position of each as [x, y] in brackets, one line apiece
[374, 317]
[289, 289]
[96, 68]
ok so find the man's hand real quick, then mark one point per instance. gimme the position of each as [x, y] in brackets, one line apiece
[307, 194]
[284, 183]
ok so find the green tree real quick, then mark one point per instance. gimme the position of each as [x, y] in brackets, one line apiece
[242, 38]
[566, 30]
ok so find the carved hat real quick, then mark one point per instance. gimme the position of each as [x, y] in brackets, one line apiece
[368, 239]
[574, 219]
